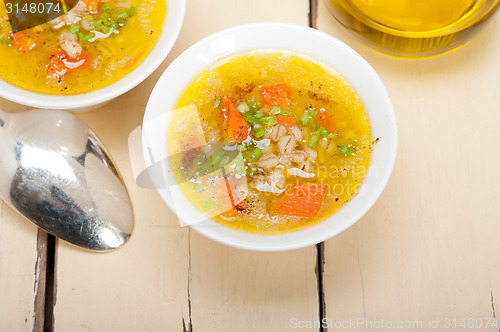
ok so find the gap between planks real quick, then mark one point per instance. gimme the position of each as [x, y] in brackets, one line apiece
[45, 282]
[320, 247]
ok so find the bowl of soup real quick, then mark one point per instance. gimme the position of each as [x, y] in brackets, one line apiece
[269, 136]
[95, 52]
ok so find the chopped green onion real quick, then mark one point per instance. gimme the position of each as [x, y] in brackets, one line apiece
[347, 151]
[323, 132]
[217, 103]
[75, 28]
[243, 107]
[275, 110]
[254, 104]
[313, 140]
[104, 16]
[121, 14]
[107, 9]
[312, 111]
[199, 187]
[250, 118]
[315, 125]
[5, 41]
[90, 18]
[258, 131]
[243, 148]
[87, 38]
[208, 205]
[269, 121]
[251, 170]
[132, 10]
[305, 118]
[332, 135]
[106, 29]
[257, 153]
[259, 115]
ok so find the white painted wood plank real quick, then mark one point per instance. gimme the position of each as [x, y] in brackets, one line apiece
[144, 286]
[22, 266]
[429, 247]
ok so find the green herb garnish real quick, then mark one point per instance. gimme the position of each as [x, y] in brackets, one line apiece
[275, 110]
[75, 28]
[269, 121]
[132, 10]
[217, 102]
[313, 140]
[257, 153]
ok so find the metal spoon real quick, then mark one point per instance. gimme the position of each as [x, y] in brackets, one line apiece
[56, 173]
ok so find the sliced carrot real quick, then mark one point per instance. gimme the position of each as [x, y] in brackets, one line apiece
[22, 42]
[60, 63]
[286, 121]
[276, 94]
[325, 120]
[230, 213]
[301, 200]
[237, 128]
[92, 4]
[227, 206]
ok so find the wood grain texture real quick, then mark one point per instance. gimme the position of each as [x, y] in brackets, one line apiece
[429, 247]
[22, 265]
[166, 278]
[22, 273]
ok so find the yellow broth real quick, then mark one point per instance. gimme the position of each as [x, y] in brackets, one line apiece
[110, 58]
[310, 85]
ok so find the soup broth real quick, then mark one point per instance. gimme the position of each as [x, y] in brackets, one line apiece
[92, 46]
[301, 130]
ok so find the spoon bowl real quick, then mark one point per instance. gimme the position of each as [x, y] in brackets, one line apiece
[56, 172]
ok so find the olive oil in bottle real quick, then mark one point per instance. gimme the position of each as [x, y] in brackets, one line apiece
[413, 28]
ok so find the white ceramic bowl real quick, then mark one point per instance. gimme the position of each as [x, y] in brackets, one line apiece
[88, 101]
[324, 48]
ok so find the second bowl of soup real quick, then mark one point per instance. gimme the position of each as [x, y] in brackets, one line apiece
[266, 142]
[93, 53]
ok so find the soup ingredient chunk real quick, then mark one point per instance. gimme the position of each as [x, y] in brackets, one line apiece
[237, 128]
[276, 94]
[301, 200]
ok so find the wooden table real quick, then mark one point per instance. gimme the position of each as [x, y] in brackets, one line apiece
[428, 250]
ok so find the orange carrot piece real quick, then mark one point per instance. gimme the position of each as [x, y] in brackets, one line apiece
[276, 94]
[60, 63]
[92, 4]
[301, 200]
[228, 206]
[237, 128]
[325, 120]
[22, 42]
[286, 121]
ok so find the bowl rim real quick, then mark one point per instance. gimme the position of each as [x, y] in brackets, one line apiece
[170, 31]
[316, 233]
